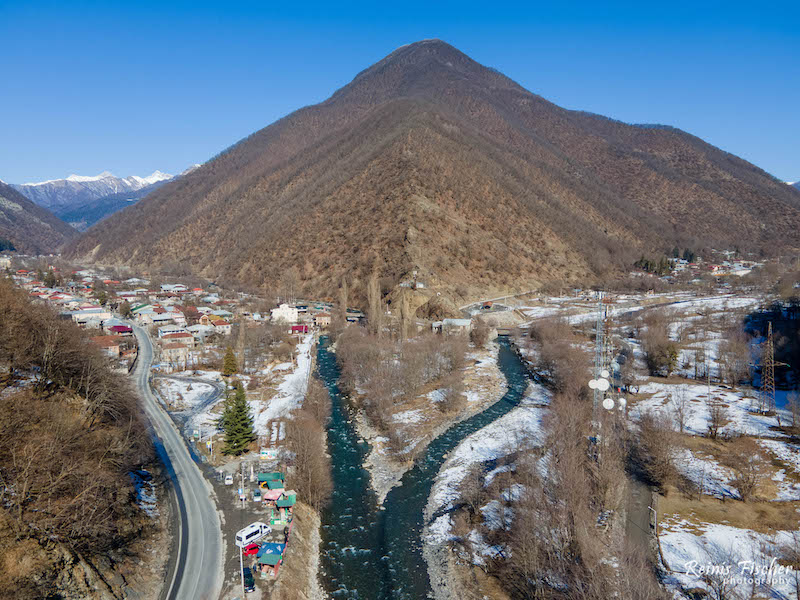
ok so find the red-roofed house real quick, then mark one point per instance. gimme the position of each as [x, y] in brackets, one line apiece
[121, 330]
[181, 338]
[221, 326]
[109, 344]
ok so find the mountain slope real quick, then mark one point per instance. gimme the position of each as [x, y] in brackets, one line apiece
[29, 228]
[796, 184]
[430, 162]
[63, 195]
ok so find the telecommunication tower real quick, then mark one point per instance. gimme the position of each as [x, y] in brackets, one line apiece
[768, 372]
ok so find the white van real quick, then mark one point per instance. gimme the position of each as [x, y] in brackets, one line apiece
[251, 533]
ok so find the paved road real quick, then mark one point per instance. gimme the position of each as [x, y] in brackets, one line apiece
[198, 570]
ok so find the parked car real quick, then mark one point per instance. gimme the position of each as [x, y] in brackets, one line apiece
[250, 549]
[256, 495]
[249, 580]
[228, 479]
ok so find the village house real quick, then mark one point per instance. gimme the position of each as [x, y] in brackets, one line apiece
[221, 326]
[181, 337]
[167, 329]
[456, 326]
[175, 354]
[90, 317]
[284, 314]
[109, 344]
[200, 332]
[269, 558]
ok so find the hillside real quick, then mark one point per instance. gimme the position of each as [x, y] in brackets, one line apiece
[28, 228]
[428, 161]
[70, 436]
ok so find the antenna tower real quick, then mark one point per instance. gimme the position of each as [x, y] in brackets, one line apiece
[768, 373]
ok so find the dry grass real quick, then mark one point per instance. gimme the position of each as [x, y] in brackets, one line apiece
[760, 516]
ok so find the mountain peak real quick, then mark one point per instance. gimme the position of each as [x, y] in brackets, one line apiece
[429, 69]
[83, 178]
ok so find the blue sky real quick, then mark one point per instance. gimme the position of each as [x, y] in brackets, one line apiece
[139, 86]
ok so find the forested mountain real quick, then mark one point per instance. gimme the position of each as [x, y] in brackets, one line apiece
[430, 162]
[28, 228]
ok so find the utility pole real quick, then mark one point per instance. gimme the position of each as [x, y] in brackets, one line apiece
[243, 493]
[241, 569]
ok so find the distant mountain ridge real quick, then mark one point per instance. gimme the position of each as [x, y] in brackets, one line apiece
[429, 163]
[29, 228]
[85, 215]
[60, 195]
[83, 201]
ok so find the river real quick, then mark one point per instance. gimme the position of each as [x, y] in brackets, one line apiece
[374, 553]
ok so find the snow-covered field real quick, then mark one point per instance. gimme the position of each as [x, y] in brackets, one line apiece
[520, 427]
[289, 395]
[710, 477]
[738, 405]
[183, 394]
[789, 454]
[729, 555]
[291, 390]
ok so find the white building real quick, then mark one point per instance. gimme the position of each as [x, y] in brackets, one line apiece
[284, 314]
[167, 329]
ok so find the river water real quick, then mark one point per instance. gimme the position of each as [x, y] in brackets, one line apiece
[371, 553]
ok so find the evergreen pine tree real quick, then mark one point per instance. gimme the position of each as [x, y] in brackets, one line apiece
[237, 423]
[229, 366]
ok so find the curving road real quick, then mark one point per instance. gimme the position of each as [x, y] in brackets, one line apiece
[197, 573]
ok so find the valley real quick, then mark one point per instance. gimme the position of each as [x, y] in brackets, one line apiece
[430, 335]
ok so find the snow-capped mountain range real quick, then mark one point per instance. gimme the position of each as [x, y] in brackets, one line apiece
[61, 195]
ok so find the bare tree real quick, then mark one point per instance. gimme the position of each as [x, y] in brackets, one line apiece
[791, 556]
[343, 300]
[405, 314]
[290, 284]
[734, 355]
[654, 448]
[793, 400]
[745, 458]
[679, 403]
[717, 576]
[375, 316]
[479, 335]
[311, 477]
[717, 417]
[472, 493]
